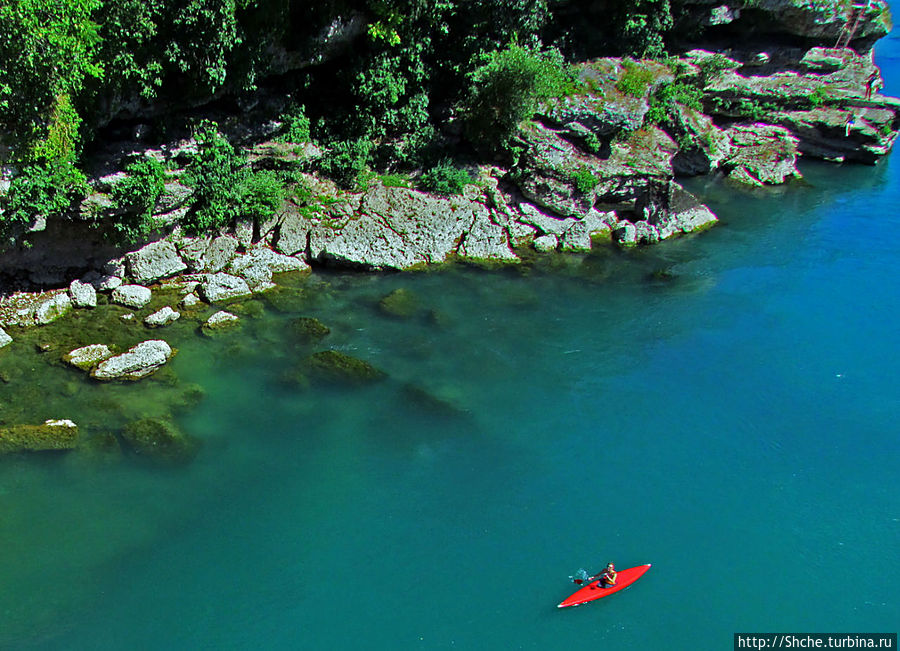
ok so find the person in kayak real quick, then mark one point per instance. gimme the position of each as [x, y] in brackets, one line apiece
[607, 577]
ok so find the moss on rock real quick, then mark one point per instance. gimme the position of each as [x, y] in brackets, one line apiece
[400, 303]
[51, 435]
[159, 441]
[337, 367]
[308, 329]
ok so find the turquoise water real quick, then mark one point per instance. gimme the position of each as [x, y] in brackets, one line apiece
[732, 421]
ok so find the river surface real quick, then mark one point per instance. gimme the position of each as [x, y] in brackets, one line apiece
[723, 406]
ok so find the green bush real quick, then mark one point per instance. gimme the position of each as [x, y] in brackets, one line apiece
[347, 163]
[507, 88]
[296, 126]
[819, 97]
[225, 188]
[635, 79]
[215, 172]
[137, 194]
[711, 66]
[445, 178]
[260, 194]
[663, 101]
[394, 180]
[584, 180]
[40, 189]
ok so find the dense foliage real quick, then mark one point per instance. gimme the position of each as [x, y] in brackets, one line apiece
[225, 187]
[381, 82]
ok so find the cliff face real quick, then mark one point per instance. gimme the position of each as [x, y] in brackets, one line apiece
[599, 164]
[800, 23]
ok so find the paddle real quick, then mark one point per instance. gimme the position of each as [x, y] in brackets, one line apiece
[581, 576]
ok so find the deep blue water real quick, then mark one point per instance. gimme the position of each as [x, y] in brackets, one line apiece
[735, 425]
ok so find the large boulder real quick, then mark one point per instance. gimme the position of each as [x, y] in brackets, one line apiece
[594, 226]
[52, 435]
[399, 228]
[82, 294]
[207, 253]
[762, 154]
[562, 178]
[51, 309]
[668, 210]
[160, 442]
[139, 362]
[223, 287]
[155, 261]
[133, 296]
[702, 145]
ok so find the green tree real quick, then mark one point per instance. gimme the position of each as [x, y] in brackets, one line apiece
[48, 49]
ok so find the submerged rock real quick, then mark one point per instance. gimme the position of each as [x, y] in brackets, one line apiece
[401, 303]
[52, 435]
[159, 441]
[338, 367]
[308, 329]
[88, 357]
[139, 362]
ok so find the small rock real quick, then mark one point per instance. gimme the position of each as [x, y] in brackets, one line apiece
[102, 282]
[162, 317]
[190, 301]
[335, 366]
[220, 320]
[82, 294]
[87, 357]
[546, 243]
[5, 339]
[308, 329]
[133, 296]
[401, 303]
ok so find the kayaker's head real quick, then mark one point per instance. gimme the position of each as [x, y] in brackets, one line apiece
[610, 566]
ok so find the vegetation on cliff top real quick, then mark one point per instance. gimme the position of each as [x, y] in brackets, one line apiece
[383, 83]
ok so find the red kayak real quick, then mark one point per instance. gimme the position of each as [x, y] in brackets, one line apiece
[593, 591]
